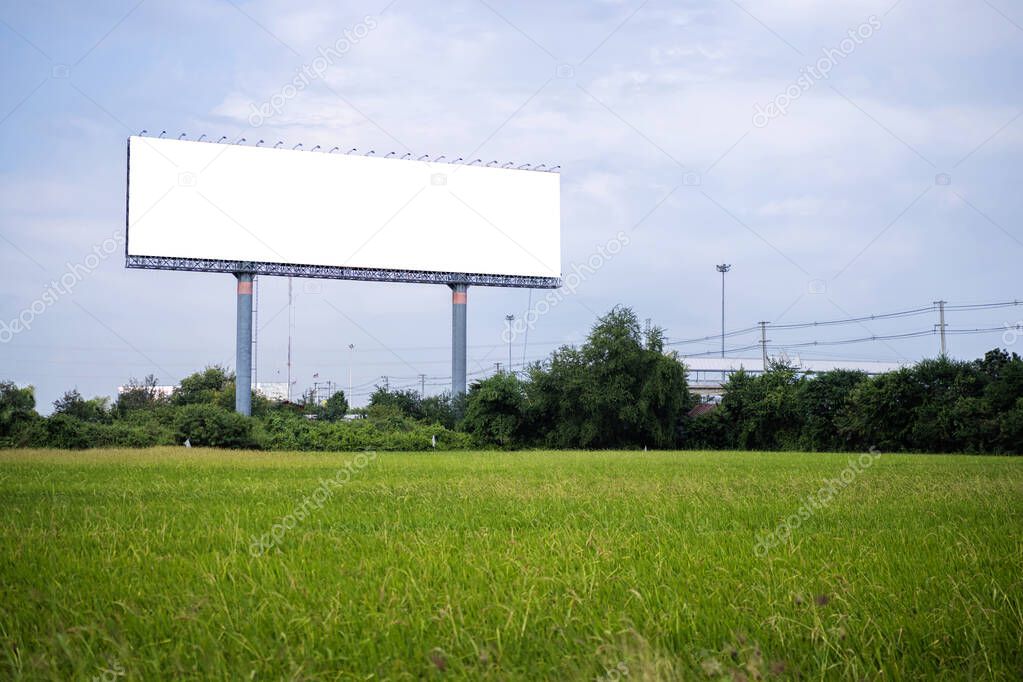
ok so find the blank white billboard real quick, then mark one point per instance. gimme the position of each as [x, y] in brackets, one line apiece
[193, 203]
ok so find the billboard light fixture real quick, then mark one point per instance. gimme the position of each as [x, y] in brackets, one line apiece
[390, 155]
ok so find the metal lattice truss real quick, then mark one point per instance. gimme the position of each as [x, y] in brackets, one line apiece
[340, 272]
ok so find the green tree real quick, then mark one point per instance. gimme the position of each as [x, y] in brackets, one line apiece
[439, 409]
[618, 390]
[139, 395]
[260, 404]
[17, 407]
[335, 407]
[495, 410]
[74, 405]
[761, 411]
[1003, 378]
[203, 387]
[820, 402]
[407, 401]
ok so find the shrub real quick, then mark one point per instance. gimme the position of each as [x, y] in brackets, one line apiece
[289, 432]
[70, 433]
[212, 426]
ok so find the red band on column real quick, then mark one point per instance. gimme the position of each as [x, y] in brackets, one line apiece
[458, 297]
[244, 287]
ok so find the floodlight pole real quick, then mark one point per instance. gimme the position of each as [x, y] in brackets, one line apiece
[459, 299]
[723, 268]
[243, 350]
[509, 319]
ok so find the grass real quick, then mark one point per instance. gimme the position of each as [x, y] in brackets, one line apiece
[125, 564]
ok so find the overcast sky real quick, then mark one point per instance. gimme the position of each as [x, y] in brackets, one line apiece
[890, 180]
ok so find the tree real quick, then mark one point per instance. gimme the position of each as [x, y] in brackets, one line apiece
[73, 405]
[17, 407]
[203, 387]
[820, 402]
[618, 390]
[439, 409]
[259, 403]
[1003, 378]
[139, 395]
[761, 411]
[407, 401]
[495, 410]
[335, 407]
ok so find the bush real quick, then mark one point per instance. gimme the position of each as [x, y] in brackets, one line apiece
[212, 426]
[288, 432]
[70, 433]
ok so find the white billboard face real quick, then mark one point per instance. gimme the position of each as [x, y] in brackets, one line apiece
[205, 206]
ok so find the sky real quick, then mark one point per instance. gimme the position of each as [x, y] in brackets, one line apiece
[847, 158]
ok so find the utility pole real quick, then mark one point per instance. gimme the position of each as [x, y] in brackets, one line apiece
[941, 323]
[422, 385]
[723, 268]
[387, 385]
[509, 319]
[763, 342]
[497, 367]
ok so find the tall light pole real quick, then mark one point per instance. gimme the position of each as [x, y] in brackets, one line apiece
[723, 268]
[509, 319]
[351, 361]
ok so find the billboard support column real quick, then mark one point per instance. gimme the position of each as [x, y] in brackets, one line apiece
[243, 351]
[459, 298]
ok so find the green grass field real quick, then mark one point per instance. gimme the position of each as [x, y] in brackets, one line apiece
[540, 565]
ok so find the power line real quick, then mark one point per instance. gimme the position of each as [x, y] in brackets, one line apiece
[985, 306]
[898, 314]
[856, 320]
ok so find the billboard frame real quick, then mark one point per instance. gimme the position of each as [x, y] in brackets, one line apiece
[339, 272]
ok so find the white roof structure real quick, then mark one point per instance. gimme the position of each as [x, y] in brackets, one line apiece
[756, 365]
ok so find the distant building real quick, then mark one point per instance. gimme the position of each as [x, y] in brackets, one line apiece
[272, 390]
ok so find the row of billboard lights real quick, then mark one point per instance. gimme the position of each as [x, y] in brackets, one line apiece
[407, 156]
